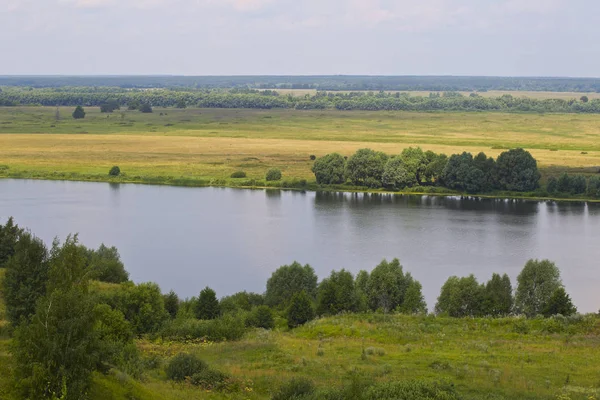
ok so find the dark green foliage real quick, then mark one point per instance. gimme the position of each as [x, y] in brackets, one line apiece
[414, 301]
[498, 298]
[461, 173]
[435, 167]
[79, 113]
[584, 99]
[288, 280]
[261, 317]
[210, 379]
[337, 294]
[184, 365]
[274, 174]
[517, 170]
[411, 390]
[563, 185]
[227, 327]
[207, 306]
[559, 303]
[133, 105]
[537, 282]
[572, 184]
[9, 235]
[552, 185]
[461, 297]
[109, 106]
[295, 389]
[114, 171]
[26, 278]
[146, 108]
[487, 165]
[387, 287]
[415, 162]
[106, 266]
[313, 157]
[365, 167]
[115, 339]
[171, 303]
[329, 169]
[396, 174]
[300, 310]
[244, 301]
[578, 184]
[238, 174]
[593, 189]
[143, 305]
[361, 281]
[181, 104]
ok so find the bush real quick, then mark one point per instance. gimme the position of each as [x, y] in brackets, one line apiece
[105, 265]
[146, 108]
[300, 310]
[274, 174]
[210, 379]
[79, 113]
[184, 365]
[171, 301]
[238, 174]
[114, 171]
[261, 317]
[313, 157]
[109, 106]
[228, 327]
[365, 167]
[296, 388]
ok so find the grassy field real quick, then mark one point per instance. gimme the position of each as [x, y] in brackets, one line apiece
[213, 143]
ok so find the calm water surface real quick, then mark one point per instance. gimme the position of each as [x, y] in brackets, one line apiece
[232, 240]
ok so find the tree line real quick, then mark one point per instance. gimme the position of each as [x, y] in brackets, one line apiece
[72, 310]
[250, 98]
[513, 170]
[320, 82]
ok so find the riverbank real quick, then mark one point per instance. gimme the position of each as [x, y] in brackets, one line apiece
[293, 184]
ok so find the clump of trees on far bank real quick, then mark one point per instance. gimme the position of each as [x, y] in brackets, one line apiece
[73, 311]
[514, 170]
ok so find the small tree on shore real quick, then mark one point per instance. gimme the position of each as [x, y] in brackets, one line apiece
[79, 113]
[115, 171]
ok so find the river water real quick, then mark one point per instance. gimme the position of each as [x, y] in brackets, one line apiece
[232, 239]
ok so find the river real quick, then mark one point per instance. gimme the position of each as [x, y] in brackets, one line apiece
[233, 239]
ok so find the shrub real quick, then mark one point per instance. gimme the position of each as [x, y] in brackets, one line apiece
[559, 303]
[238, 174]
[210, 379]
[274, 174]
[228, 327]
[184, 365]
[300, 310]
[114, 171]
[313, 157]
[261, 317]
[105, 265]
[146, 108]
[171, 301]
[109, 106]
[79, 113]
[296, 388]
[411, 390]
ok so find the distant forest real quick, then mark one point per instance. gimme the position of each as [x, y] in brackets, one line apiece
[319, 82]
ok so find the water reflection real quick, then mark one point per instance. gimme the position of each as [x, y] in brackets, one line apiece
[232, 239]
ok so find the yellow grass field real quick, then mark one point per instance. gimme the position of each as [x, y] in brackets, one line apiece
[213, 143]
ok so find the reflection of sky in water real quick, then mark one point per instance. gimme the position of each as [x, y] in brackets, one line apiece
[187, 238]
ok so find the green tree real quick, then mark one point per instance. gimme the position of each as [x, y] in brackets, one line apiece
[171, 301]
[415, 162]
[387, 286]
[79, 113]
[552, 185]
[414, 301]
[109, 106]
[593, 188]
[181, 104]
[207, 306]
[56, 353]
[365, 167]
[498, 298]
[26, 278]
[274, 174]
[146, 108]
[261, 317]
[517, 170]
[288, 280]
[460, 173]
[584, 99]
[105, 265]
[461, 297]
[329, 169]
[396, 174]
[578, 184]
[435, 167]
[300, 310]
[9, 236]
[241, 301]
[360, 283]
[337, 294]
[536, 283]
[487, 165]
[559, 303]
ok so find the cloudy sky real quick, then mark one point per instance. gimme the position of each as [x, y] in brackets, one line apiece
[236, 37]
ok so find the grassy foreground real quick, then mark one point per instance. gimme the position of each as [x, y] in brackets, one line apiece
[204, 146]
[508, 358]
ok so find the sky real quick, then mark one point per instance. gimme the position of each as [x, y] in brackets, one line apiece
[300, 37]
